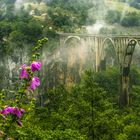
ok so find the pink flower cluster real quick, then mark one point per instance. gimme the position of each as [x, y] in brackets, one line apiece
[18, 112]
[35, 66]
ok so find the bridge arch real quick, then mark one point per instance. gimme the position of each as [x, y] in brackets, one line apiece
[136, 56]
[71, 37]
[108, 39]
[71, 54]
[103, 51]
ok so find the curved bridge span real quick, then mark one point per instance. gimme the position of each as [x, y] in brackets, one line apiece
[124, 47]
[120, 43]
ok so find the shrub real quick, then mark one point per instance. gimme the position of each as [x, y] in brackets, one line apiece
[131, 19]
[113, 16]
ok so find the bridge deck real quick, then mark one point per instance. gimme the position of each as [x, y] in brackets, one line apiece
[99, 35]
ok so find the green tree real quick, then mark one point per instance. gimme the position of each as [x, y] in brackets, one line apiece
[131, 19]
[113, 16]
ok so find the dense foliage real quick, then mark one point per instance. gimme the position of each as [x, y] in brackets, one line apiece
[128, 19]
[88, 110]
[113, 16]
[131, 19]
[135, 3]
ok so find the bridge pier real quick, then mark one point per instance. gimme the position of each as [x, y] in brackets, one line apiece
[124, 86]
[125, 73]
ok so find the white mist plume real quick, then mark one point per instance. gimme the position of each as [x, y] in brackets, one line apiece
[94, 29]
[97, 12]
[19, 4]
[74, 52]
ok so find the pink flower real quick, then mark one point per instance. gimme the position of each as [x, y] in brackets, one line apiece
[35, 83]
[7, 110]
[23, 73]
[22, 110]
[18, 112]
[13, 110]
[19, 123]
[36, 66]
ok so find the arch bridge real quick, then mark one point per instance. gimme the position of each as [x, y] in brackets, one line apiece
[123, 45]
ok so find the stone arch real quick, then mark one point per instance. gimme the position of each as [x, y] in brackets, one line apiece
[103, 49]
[70, 37]
[70, 58]
[110, 39]
[136, 57]
[104, 42]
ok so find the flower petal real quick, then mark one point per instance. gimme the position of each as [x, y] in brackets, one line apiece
[35, 83]
[36, 66]
[23, 73]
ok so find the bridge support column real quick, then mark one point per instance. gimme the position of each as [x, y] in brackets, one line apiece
[125, 71]
[97, 53]
[124, 86]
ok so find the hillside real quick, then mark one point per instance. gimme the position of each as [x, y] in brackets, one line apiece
[121, 6]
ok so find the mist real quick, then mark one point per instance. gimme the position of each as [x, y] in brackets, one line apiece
[100, 9]
[19, 4]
